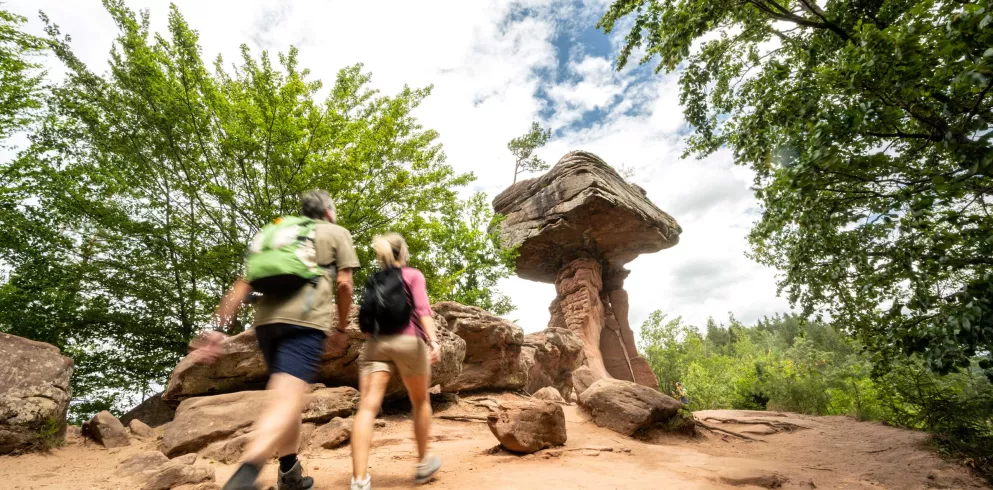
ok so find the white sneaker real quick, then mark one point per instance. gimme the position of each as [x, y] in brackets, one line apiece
[426, 469]
[362, 485]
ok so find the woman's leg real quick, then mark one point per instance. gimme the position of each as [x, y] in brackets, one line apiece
[417, 390]
[372, 388]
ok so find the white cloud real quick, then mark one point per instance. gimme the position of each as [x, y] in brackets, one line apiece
[488, 68]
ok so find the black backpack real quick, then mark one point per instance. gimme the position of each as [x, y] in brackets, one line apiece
[385, 308]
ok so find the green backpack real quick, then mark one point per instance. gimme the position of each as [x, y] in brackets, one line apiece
[282, 257]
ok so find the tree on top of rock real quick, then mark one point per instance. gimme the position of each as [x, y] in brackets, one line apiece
[869, 126]
[524, 146]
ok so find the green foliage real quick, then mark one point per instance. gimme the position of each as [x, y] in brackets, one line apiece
[523, 148]
[20, 76]
[786, 363]
[868, 125]
[129, 214]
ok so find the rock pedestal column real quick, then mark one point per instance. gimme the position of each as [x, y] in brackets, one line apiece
[638, 369]
[578, 307]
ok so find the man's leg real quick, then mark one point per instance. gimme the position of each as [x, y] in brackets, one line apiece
[372, 388]
[279, 424]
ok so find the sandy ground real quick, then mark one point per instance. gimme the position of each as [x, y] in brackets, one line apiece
[827, 452]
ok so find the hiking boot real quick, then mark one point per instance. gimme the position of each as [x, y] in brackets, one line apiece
[426, 469]
[362, 485]
[294, 479]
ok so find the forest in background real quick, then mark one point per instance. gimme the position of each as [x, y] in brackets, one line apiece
[785, 363]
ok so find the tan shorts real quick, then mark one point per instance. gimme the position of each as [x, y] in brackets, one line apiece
[406, 353]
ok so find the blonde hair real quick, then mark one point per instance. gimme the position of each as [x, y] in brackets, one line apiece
[391, 250]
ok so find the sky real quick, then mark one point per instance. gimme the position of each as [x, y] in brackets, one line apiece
[497, 65]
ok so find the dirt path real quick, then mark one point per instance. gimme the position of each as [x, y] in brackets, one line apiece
[832, 452]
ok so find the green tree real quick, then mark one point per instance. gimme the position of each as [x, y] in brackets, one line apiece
[20, 75]
[523, 148]
[868, 125]
[142, 187]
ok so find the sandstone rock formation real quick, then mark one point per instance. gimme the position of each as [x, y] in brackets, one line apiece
[626, 407]
[577, 226]
[34, 394]
[500, 357]
[528, 426]
[175, 473]
[107, 430]
[153, 411]
[333, 434]
[141, 429]
[204, 420]
[548, 394]
[241, 366]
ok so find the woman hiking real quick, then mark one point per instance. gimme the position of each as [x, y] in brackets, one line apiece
[411, 352]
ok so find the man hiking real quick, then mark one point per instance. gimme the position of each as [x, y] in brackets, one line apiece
[293, 264]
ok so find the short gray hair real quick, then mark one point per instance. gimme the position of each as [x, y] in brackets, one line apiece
[313, 203]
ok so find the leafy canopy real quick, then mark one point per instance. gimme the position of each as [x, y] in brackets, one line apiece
[868, 125]
[524, 146]
[20, 76]
[131, 210]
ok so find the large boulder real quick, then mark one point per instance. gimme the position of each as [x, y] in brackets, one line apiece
[526, 427]
[174, 474]
[582, 379]
[141, 430]
[153, 411]
[34, 394]
[493, 349]
[241, 366]
[204, 420]
[548, 394]
[626, 407]
[107, 430]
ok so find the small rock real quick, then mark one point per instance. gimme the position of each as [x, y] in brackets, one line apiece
[526, 427]
[141, 429]
[174, 474]
[591, 452]
[549, 394]
[333, 434]
[380, 424]
[107, 430]
[228, 451]
[186, 459]
[115, 450]
[141, 462]
[74, 434]
[740, 477]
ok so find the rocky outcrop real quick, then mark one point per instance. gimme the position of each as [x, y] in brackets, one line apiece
[500, 357]
[493, 349]
[526, 427]
[34, 394]
[241, 366]
[141, 462]
[107, 430]
[153, 411]
[626, 407]
[141, 429]
[577, 226]
[548, 394]
[550, 357]
[204, 420]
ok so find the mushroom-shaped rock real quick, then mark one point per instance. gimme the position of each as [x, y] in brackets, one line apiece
[577, 226]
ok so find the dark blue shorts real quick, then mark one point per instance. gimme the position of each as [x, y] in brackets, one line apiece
[291, 349]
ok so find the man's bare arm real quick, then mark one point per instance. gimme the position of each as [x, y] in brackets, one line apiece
[344, 297]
